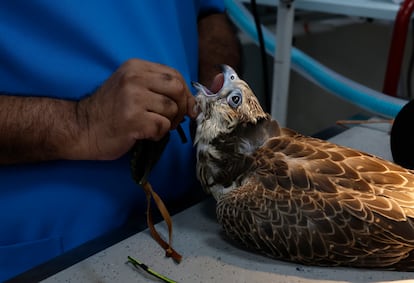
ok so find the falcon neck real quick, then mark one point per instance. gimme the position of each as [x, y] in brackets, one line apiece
[247, 138]
[229, 154]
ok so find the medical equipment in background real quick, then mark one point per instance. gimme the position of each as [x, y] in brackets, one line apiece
[358, 94]
[396, 52]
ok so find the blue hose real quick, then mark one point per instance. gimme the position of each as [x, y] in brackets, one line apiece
[360, 95]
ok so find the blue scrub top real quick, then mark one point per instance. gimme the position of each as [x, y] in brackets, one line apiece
[66, 49]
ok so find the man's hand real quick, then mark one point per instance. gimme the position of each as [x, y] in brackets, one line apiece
[141, 100]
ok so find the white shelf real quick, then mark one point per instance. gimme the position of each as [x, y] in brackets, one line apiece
[378, 9]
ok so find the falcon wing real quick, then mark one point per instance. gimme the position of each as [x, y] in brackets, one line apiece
[314, 202]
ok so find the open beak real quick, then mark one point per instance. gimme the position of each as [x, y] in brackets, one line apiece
[220, 81]
[202, 89]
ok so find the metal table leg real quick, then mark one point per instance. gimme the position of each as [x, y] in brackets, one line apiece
[281, 67]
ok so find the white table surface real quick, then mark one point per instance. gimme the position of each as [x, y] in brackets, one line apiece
[209, 257]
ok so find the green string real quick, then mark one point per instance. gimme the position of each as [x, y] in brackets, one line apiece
[143, 266]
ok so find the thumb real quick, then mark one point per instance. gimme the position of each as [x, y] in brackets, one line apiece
[191, 109]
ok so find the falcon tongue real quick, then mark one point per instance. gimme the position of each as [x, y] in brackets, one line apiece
[217, 84]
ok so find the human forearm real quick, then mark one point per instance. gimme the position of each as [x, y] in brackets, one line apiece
[37, 129]
[218, 44]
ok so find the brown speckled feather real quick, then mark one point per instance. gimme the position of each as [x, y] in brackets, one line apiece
[313, 202]
[299, 198]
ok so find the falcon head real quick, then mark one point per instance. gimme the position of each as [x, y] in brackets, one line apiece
[231, 125]
[233, 104]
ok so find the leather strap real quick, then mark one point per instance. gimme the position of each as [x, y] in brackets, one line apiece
[169, 251]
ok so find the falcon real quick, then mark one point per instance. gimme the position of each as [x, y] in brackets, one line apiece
[298, 198]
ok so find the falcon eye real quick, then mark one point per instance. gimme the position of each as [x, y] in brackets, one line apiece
[234, 99]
